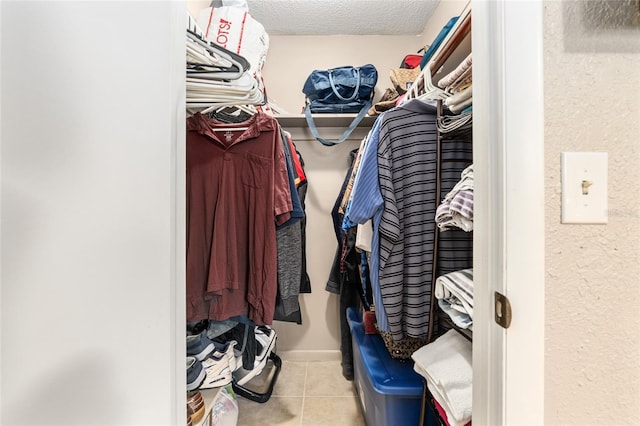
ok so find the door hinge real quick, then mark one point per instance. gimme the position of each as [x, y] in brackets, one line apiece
[502, 310]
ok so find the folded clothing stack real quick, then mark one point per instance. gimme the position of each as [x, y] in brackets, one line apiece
[456, 209]
[454, 292]
[446, 366]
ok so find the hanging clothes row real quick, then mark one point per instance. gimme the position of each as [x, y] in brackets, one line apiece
[242, 197]
[394, 186]
[445, 362]
[246, 185]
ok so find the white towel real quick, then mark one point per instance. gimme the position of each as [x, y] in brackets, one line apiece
[458, 97]
[446, 364]
[456, 108]
[364, 236]
[455, 74]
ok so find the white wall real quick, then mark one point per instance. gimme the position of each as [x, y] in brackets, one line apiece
[92, 107]
[592, 103]
[292, 58]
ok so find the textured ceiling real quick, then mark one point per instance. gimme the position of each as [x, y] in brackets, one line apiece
[359, 17]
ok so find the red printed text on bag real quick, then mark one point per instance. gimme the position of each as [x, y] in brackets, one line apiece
[224, 28]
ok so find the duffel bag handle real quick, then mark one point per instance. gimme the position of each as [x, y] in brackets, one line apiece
[345, 135]
[356, 71]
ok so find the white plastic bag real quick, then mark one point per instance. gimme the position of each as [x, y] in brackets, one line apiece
[225, 408]
[235, 29]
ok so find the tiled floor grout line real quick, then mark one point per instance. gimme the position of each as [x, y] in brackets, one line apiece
[304, 391]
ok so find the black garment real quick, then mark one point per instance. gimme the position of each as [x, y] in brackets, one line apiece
[245, 335]
[305, 281]
[333, 283]
[344, 277]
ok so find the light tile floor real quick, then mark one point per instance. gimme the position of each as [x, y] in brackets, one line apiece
[307, 393]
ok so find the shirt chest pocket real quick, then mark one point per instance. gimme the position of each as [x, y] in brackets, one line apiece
[255, 171]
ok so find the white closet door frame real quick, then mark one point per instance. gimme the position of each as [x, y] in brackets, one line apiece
[508, 374]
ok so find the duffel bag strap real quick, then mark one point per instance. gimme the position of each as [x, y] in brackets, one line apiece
[356, 71]
[345, 135]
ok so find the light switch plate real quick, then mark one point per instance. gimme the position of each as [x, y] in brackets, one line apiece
[584, 187]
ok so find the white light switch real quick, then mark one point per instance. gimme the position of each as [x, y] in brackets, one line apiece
[584, 187]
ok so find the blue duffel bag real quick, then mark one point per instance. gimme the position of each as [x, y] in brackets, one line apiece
[339, 90]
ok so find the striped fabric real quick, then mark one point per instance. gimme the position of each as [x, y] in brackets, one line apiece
[407, 172]
[455, 247]
[456, 209]
[407, 168]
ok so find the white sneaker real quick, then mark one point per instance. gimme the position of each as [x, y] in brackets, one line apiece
[267, 342]
[228, 350]
[266, 337]
[217, 372]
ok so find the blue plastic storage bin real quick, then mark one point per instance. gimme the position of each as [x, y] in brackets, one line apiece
[390, 391]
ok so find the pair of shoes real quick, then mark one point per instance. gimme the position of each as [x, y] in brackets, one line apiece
[195, 406]
[195, 373]
[227, 350]
[217, 372]
[199, 346]
[265, 342]
[216, 360]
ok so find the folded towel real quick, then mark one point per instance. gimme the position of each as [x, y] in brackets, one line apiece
[443, 414]
[451, 218]
[446, 365]
[456, 73]
[459, 96]
[456, 108]
[455, 293]
[456, 210]
[461, 209]
[464, 81]
[455, 311]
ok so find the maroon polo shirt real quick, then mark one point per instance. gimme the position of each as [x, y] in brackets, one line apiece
[237, 191]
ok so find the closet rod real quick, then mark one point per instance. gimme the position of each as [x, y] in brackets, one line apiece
[434, 270]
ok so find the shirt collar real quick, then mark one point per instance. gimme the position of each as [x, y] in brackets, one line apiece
[420, 106]
[257, 123]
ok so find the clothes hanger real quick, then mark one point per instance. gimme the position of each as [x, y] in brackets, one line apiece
[249, 109]
[215, 48]
[229, 129]
[218, 107]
